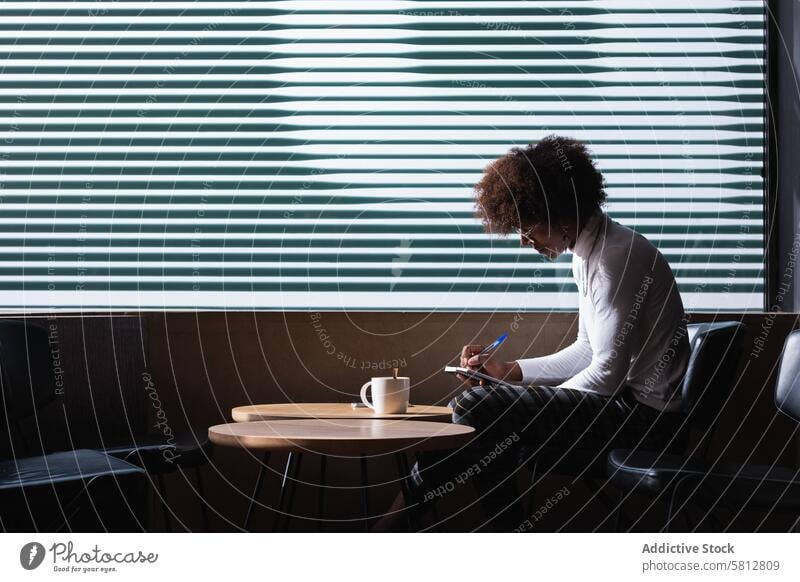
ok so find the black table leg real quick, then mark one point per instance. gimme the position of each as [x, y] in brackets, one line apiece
[287, 491]
[365, 492]
[282, 495]
[292, 488]
[321, 499]
[289, 483]
[256, 491]
[411, 509]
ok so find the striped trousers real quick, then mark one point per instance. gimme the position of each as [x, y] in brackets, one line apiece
[512, 423]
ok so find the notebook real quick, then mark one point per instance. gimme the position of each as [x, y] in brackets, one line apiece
[475, 375]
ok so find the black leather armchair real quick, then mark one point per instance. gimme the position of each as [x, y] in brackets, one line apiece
[709, 483]
[715, 352]
[27, 388]
[65, 490]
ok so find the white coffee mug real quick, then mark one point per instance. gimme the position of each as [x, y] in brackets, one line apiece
[389, 395]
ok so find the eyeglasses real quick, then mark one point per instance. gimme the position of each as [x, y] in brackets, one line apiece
[526, 233]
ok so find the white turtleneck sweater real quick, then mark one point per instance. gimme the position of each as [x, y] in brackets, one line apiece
[631, 322]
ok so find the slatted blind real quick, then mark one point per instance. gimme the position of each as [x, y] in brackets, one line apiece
[321, 155]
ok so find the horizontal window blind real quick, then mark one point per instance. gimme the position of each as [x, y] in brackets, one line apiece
[321, 155]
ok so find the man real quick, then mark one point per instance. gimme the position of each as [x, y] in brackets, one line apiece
[616, 385]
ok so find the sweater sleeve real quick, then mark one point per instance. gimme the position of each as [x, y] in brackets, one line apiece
[618, 287]
[556, 368]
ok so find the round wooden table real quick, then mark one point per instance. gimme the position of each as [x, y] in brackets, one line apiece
[347, 436]
[335, 410]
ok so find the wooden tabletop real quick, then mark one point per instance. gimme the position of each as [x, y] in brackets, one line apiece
[341, 436]
[335, 410]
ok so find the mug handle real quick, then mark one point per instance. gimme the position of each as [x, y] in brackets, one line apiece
[364, 395]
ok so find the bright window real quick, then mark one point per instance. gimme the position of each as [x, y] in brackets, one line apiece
[292, 155]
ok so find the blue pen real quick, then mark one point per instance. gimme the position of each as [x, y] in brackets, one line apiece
[494, 345]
